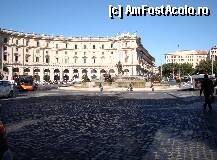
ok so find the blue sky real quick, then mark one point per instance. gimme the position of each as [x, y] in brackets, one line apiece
[159, 35]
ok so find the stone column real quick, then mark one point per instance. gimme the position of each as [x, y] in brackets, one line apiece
[80, 73]
[133, 70]
[51, 74]
[31, 70]
[10, 73]
[70, 73]
[41, 74]
[89, 73]
[61, 73]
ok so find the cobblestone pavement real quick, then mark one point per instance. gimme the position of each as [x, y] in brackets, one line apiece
[150, 125]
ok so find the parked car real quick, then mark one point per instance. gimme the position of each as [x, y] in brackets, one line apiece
[6, 88]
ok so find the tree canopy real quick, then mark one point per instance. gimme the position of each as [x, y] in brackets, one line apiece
[206, 67]
[182, 69]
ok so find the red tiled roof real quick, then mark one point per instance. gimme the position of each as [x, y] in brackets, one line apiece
[203, 52]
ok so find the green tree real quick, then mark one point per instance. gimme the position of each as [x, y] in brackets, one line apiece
[205, 66]
[185, 69]
[170, 68]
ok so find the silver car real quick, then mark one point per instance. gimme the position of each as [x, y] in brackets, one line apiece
[6, 88]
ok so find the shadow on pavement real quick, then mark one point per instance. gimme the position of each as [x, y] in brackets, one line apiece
[109, 127]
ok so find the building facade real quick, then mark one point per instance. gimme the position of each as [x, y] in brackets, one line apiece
[60, 58]
[186, 56]
[212, 54]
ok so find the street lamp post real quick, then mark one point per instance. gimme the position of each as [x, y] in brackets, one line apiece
[1, 47]
[173, 73]
[161, 72]
[212, 62]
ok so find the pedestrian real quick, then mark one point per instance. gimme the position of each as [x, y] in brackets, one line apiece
[5, 153]
[207, 88]
[100, 88]
[152, 87]
[130, 88]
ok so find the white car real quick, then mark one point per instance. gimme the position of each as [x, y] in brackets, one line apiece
[6, 88]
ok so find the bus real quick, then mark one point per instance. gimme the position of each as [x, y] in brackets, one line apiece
[193, 82]
[25, 83]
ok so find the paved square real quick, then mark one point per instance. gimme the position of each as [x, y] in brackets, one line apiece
[117, 125]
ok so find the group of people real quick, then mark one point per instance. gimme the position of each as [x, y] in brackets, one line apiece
[207, 88]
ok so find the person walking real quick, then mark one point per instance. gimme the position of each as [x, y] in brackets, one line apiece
[101, 88]
[207, 88]
[5, 153]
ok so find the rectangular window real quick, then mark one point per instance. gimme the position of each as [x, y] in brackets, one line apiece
[66, 45]
[94, 60]
[102, 53]
[94, 47]
[27, 50]
[56, 45]
[17, 49]
[38, 45]
[103, 46]
[85, 60]
[84, 53]
[76, 46]
[111, 52]
[27, 59]
[5, 57]
[5, 48]
[37, 59]
[27, 43]
[47, 44]
[75, 60]
[111, 45]
[85, 46]
[16, 58]
[57, 60]
[17, 42]
[65, 52]
[5, 40]
[75, 53]
[46, 51]
[56, 52]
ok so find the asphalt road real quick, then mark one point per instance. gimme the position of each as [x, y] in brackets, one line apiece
[116, 125]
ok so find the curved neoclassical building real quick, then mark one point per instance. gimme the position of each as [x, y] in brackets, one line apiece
[59, 57]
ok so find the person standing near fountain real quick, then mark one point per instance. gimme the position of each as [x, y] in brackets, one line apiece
[100, 88]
